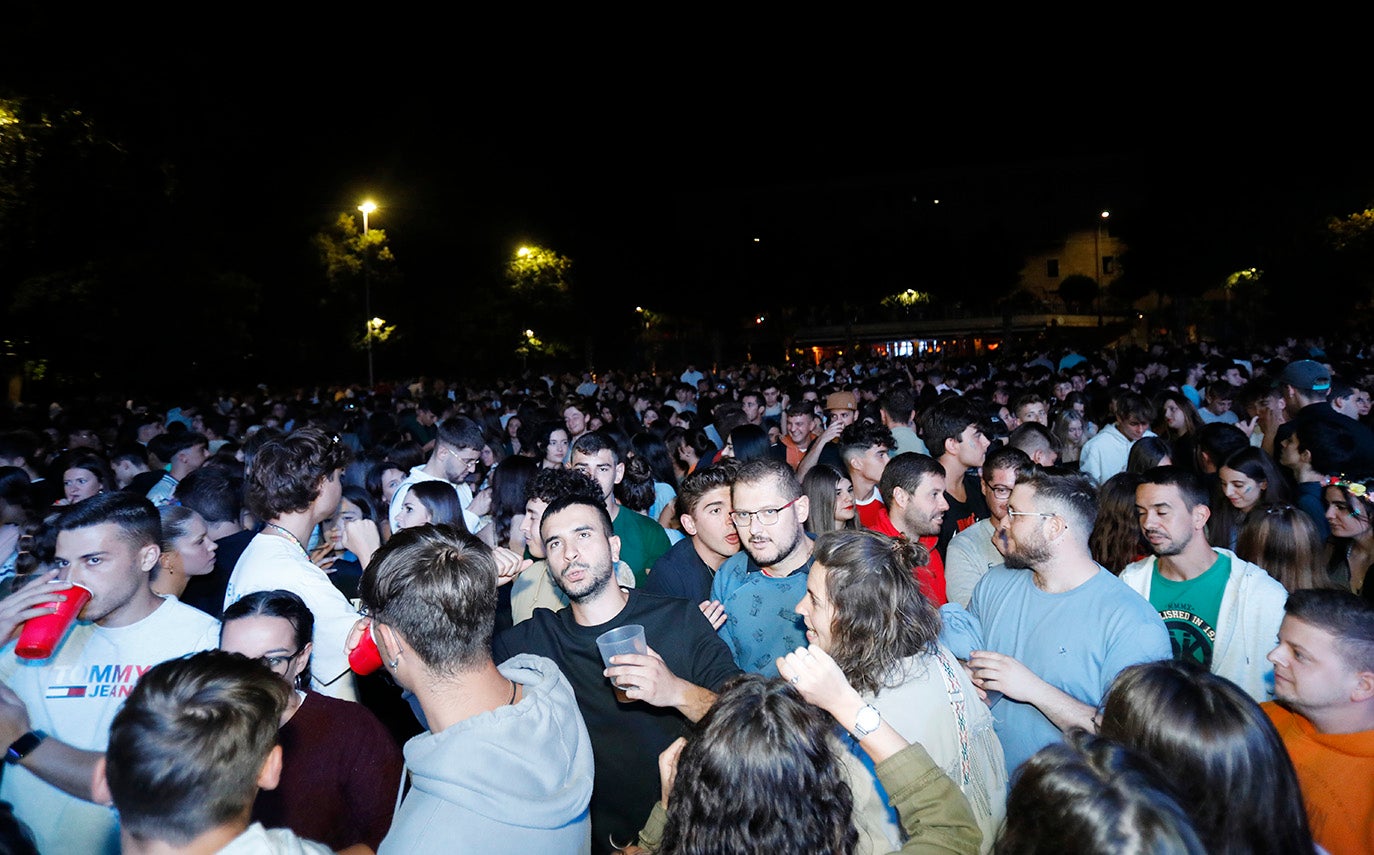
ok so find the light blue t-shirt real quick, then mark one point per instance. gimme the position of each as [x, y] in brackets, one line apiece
[761, 621]
[1077, 641]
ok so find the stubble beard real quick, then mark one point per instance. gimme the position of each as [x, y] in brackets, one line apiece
[764, 559]
[592, 586]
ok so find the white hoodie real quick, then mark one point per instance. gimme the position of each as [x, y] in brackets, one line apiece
[1247, 623]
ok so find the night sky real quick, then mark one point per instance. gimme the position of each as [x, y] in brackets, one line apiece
[653, 161]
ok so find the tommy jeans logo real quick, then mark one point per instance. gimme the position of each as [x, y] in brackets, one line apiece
[95, 681]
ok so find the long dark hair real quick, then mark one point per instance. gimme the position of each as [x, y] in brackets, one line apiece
[748, 442]
[441, 500]
[508, 493]
[747, 780]
[881, 616]
[1116, 540]
[820, 485]
[654, 451]
[1093, 796]
[1227, 762]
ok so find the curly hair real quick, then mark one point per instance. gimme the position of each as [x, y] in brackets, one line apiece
[881, 616]
[748, 778]
[287, 472]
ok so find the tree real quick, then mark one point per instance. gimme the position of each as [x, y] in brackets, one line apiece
[357, 268]
[1078, 290]
[538, 295]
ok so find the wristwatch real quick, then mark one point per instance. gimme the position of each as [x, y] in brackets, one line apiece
[21, 747]
[867, 721]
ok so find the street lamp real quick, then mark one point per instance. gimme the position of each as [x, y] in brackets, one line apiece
[1097, 262]
[367, 207]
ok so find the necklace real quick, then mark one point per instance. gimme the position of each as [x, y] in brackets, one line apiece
[297, 540]
[514, 687]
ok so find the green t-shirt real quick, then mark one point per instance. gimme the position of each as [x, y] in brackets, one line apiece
[1190, 609]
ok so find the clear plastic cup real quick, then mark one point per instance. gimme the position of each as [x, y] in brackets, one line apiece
[622, 639]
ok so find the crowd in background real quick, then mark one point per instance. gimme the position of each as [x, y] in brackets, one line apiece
[933, 488]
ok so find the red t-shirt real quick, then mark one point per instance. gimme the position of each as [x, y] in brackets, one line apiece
[931, 576]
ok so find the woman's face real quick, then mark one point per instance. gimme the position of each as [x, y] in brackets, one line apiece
[195, 548]
[1346, 515]
[271, 640]
[1080, 407]
[1075, 431]
[557, 451]
[816, 609]
[78, 484]
[413, 512]
[488, 456]
[513, 426]
[348, 512]
[1174, 417]
[844, 501]
[1241, 490]
[391, 479]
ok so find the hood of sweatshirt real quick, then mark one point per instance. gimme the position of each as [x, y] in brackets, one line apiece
[527, 764]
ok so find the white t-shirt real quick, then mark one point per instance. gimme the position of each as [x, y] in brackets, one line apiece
[270, 563]
[73, 696]
[256, 840]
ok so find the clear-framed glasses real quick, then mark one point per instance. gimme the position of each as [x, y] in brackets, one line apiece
[767, 516]
[999, 490]
[1012, 513]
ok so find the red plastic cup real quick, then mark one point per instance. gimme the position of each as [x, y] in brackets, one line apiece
[41, 635]
[365, 657]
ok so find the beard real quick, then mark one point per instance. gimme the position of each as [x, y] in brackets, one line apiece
[1027, 556]
[768, 554]
[596, 581]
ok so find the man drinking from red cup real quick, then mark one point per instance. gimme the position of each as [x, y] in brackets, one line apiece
[55, 713]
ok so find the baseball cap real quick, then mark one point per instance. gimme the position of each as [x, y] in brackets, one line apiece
[841, 401]
[1305, 374]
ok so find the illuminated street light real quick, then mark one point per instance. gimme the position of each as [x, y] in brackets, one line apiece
[367, 207]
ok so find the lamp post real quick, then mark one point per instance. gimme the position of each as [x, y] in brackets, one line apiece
[367, 207]
[1097, 262]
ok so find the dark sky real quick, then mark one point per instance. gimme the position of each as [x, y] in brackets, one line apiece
[635, 146]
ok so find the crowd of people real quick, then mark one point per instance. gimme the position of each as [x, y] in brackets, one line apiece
[1051, 602]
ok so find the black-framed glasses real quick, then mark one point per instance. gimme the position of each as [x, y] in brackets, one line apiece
[276, 662]
[767, 516]
[999, 490]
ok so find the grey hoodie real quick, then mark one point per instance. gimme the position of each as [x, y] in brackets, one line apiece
[516, 779]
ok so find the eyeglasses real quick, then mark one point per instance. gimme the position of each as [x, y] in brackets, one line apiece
[1012, 513]
[999, 490]
[277, 662]
[767, 516]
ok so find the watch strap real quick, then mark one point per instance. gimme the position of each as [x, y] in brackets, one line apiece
[867, 720]
[21, 747]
